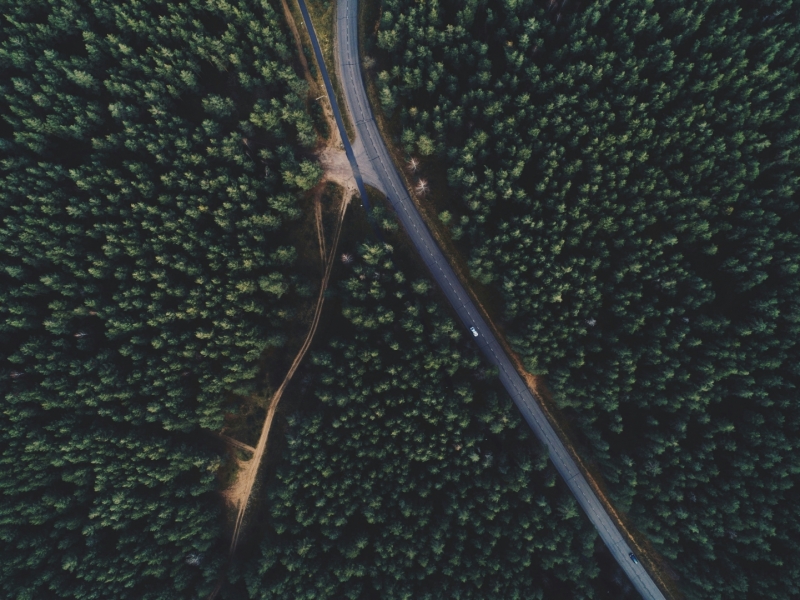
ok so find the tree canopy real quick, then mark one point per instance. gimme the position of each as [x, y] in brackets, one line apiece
[407, 472]
[150, 156]
[625, 174]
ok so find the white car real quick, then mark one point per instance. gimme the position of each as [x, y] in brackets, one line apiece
[474, 331]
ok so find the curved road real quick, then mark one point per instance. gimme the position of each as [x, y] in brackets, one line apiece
[370, 158]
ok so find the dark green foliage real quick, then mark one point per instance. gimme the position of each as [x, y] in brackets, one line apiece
[413, 478]
[148, 153]
[628, 173]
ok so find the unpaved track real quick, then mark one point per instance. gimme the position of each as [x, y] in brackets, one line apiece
[236, 443]
[298, 43]
[323, 252]
[249, 477]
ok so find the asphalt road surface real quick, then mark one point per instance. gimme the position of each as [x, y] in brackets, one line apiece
[372, 159]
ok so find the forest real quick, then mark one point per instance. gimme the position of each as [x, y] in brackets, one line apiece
[151, 157]
[624, 175]
[406, 471]
[621, 174]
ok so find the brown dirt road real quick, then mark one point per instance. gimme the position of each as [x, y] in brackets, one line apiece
[236, 443]
[242, 490]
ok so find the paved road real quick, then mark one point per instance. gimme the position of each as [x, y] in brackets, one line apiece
[374, 160]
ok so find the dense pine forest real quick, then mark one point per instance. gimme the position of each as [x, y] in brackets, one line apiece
[152, 157]
[621, 174]
[624, 173]
[151, 154]
[407, 472]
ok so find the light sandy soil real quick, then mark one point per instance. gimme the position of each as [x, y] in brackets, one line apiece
[236, 443]
[323, 252]
[337, 169]
[238, 495]
[233, 494]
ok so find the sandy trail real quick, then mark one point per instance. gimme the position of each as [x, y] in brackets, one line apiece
[323, 252]
[243, 489]
[296, 35]
[236, 443]
[337, 170]
[333, 141]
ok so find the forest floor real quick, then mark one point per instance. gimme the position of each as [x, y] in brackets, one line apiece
[299, 43]
[323, 15]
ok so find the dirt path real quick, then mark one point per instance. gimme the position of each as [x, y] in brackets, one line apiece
[336, 169]
[334, 141]
[323, 252]
[297, 42]
[242, 490]
[236, 443]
